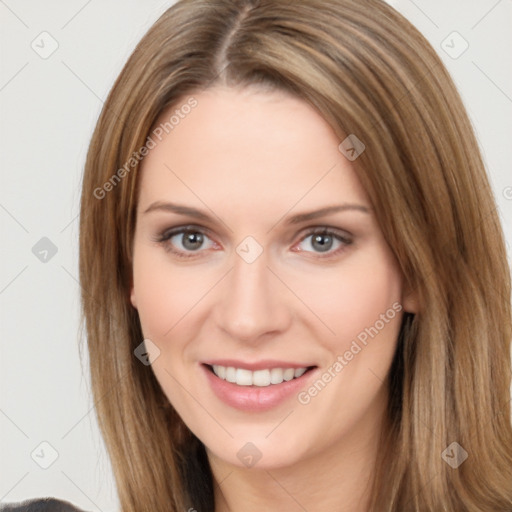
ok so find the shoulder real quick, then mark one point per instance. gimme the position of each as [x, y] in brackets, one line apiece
[40, 505]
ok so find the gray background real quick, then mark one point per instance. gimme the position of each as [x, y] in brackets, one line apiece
[49, 105]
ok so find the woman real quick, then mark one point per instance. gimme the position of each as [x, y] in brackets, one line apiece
[294, 279]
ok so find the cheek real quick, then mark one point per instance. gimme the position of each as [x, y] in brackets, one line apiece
[163, 293]
[354, 297]
[370, 301]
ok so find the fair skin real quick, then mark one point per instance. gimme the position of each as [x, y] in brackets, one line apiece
[250, 160]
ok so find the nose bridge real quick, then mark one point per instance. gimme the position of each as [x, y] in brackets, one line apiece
[250, 306]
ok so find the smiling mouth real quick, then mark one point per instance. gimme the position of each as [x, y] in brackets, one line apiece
[258, 378]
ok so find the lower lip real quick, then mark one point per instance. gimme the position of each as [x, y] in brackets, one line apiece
[255, 398]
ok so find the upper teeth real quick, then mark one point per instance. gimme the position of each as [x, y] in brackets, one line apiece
[244, 377]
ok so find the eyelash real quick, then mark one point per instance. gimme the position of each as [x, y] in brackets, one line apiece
[164, 237]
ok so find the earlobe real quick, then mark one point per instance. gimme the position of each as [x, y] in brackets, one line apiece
[132, 297]
[410, 300]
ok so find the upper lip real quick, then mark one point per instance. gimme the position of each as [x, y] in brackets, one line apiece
[257, 365]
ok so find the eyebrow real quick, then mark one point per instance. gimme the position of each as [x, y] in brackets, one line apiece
[295, 219]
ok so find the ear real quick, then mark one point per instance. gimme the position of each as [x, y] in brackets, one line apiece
[132, 293]
[410, 299]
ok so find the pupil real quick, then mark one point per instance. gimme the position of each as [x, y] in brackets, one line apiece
[193, 240]
[323, 246]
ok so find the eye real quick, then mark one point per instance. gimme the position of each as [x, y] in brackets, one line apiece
[323, 240]
[186, 239]
[190, 241]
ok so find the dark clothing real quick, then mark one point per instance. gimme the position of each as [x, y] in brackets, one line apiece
[40, 505]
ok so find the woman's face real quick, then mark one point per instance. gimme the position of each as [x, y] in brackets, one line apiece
[283, 268]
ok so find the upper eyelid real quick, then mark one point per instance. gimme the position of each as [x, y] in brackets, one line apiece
[306, 230]
[186, 227]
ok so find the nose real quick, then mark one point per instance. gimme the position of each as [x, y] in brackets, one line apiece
[253, 301]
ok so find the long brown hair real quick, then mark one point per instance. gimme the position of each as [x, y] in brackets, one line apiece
[368, 72]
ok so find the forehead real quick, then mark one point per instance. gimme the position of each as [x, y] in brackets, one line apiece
[245, 149]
